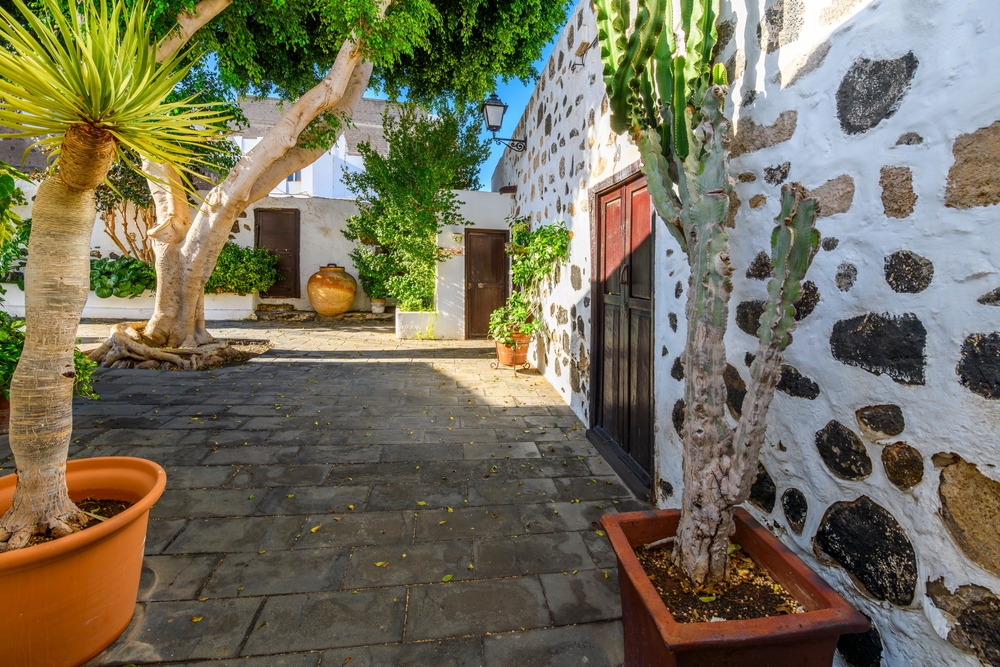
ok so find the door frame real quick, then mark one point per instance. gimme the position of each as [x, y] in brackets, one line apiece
[465, 292]
[637, 479]
[297, 217]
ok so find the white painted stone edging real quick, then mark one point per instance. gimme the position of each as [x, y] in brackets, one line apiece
[415, 325]
[217, 306]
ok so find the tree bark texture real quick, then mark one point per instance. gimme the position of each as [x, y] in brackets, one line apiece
[186, 250]
[57, 281]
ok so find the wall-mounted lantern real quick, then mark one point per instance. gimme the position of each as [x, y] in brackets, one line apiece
[493, 112]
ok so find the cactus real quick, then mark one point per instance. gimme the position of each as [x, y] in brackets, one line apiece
[667, 95]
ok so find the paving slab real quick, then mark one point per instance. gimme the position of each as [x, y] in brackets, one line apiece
[292, 528]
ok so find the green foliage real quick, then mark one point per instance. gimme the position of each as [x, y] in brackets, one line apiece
[121, 90]
[534, 256]
[514, 317]
[243, 271]
[406, 197]
[10, 196]
[11, 344]
[125, 277]
[428, 48]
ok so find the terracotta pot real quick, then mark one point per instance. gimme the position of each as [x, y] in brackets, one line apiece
[378, 306]
[652, 637]
[65, 601]
[332, 290]
[516, 355]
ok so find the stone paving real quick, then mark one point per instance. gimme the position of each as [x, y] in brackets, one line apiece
[319, 495]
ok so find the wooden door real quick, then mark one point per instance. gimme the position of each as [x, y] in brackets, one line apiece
[622, 413]
[487, 278]
[278, 231]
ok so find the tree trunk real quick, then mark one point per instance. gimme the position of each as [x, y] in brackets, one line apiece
[57, 281]
[186, 251]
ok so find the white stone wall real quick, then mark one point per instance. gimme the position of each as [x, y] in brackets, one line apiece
[928, 266]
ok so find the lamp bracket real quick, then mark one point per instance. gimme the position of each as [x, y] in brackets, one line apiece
[516, 145]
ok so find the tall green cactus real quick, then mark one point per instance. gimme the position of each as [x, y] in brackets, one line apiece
[668, 96]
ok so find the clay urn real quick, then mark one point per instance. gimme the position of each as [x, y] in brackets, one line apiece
[332, 290]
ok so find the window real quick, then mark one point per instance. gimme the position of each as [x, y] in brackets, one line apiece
[295, 178]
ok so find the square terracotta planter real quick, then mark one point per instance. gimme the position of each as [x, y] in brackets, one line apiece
[653, 637]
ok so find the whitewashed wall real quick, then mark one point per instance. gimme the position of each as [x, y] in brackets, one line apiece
[486, 210]
[929, 118]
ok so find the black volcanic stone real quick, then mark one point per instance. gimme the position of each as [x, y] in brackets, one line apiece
[843, 452]
[990, 298]
[562, 315]
[882, 343]
[763, 491]
[794, 383]
[829, 243]
[748, 359]
[886, 420]
[761, 267]
[736, 389]
[867, 541]
[575, 277]
[748, 316]
[807, 301]
[672, 320]
[796, 509]
[907, 272]
[979, 367]
[904, 466]
[847, 275]
[677, 417]
[678, 289]
[677, 370]
[909, 139]
[872, 91]
[666, 488]
[777, 175]
[863, 649]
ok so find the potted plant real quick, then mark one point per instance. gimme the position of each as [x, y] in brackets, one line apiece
[374, 268]
[511, 327]
[65, 600]
[666, 94]
[534, 256]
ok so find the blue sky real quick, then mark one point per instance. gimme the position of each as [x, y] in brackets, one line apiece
[516, 96]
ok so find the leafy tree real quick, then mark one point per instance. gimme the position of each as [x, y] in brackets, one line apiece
[407, 196]
[86, 116]
[320, 56]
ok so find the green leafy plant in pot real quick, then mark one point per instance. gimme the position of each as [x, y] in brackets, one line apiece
[667, 95]
[534, 256]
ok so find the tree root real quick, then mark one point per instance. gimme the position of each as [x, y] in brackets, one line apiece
[37, 510]
[126, 348]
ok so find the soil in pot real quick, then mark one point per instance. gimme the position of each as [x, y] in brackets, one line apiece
[97, 510]
[749, 591]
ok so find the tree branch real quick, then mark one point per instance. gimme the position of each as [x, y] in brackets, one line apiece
[298, 157]
[187, 25]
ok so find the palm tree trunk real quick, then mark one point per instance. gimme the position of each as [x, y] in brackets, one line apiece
[57, 280]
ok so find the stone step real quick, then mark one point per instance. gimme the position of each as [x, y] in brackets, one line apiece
[275, 307]
[285, 316]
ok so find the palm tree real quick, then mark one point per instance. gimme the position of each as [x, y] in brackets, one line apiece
[86, 86]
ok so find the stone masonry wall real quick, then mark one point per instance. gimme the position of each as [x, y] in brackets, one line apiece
[880, 468]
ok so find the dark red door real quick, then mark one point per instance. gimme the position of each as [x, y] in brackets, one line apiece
[278, 231]
[487, 278]
[622, 412]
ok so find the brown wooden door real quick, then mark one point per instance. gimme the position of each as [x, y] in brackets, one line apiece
[622, 413]
[278, 231]
[487, 279]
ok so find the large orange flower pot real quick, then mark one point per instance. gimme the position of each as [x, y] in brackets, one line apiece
[65, 601]
[515, 355]
[332, 290]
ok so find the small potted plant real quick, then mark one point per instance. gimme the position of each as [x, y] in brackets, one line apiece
[374, 269]
[511, 328]
[534, 256]
[673, 566]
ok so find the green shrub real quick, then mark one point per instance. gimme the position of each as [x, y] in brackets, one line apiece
[124, 277]
[515, 317]
[243, 271]
[11, 344]
[374, 268]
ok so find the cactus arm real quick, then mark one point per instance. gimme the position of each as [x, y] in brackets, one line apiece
[794, 243]
[680, 111]
[657, 171]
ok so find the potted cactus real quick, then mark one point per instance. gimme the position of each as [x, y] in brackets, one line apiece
[666, 94]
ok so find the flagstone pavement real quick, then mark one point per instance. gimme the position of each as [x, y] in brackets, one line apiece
[351, 498]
